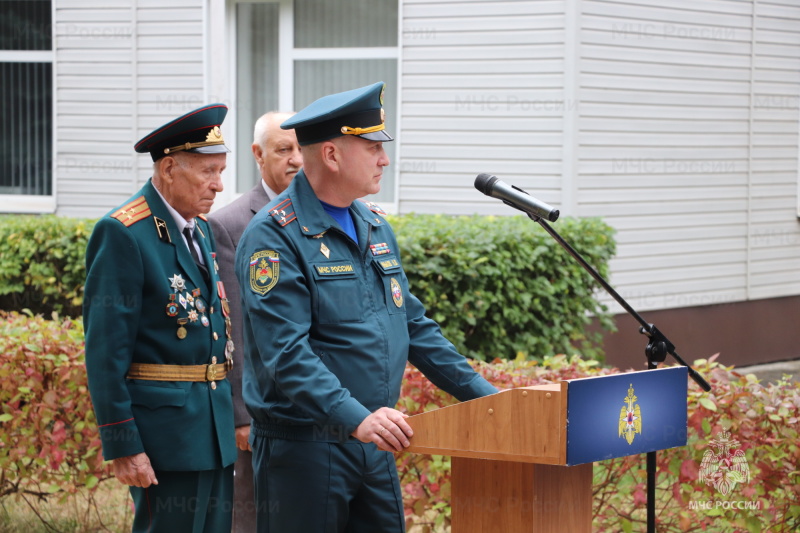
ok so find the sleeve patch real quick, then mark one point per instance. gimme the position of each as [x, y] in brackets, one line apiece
[265, 268]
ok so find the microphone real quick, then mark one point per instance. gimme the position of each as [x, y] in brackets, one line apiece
[515, 197]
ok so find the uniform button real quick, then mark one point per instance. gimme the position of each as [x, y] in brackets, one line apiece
[213, 385]
[214, 360]
[215, 336]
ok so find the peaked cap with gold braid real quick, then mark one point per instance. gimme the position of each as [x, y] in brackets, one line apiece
[357, 112]
[196, 131]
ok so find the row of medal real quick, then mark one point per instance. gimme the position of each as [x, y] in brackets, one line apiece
[196, 308]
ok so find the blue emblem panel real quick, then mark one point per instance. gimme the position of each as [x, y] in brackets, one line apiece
[626, 414]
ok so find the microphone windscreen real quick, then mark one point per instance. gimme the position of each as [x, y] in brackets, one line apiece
[485, 182]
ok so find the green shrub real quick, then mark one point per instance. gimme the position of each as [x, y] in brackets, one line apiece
[501, 286]
[49, 443]
[763, 423]
[42, 263]
[48, 434]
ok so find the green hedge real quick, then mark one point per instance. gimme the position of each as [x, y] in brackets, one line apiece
[502, 287]
[42, 263]
[499, 286]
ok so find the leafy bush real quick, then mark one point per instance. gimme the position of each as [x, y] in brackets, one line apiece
[501, 286]
[764, 419]
[763, 422]
[42, 263]
[49, 443]
[48, 435]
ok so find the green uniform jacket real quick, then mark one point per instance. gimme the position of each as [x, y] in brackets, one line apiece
[330, 324]
[134, 305]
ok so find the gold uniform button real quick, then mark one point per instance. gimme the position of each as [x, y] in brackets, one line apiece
[215, 336]
[214, 360]
[213, 385]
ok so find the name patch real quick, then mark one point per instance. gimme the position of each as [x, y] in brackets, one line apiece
[388, 264]
[335, 269]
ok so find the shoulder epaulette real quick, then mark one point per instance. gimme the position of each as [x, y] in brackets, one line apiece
[283, 212]
[375, 208]
[133, 212]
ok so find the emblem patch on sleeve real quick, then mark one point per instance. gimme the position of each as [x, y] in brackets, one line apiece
[264, 269]
[397, 293]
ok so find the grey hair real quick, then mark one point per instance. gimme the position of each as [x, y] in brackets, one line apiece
[262, 125]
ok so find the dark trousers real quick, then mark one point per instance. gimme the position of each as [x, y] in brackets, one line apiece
[244, 503]
[323, 487]
[185, 502]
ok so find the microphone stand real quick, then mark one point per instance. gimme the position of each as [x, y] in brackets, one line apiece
[658, 347]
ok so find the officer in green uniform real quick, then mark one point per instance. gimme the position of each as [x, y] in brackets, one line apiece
[329, 324]
[158, 335]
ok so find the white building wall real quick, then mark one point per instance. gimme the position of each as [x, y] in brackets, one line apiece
[120, 67]
[774, 233]
[482, 91]
[676, 123]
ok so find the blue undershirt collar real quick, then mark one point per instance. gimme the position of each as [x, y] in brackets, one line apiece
[343, 217]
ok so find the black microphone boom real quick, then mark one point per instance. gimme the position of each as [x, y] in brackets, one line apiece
[515, 197]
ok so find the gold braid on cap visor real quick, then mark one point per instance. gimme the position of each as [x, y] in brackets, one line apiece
[347, 130]
[213, 138]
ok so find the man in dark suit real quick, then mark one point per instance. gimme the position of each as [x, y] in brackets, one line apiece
[278, 157]
[158, 344]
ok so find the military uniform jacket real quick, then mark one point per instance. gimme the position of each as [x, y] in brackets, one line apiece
[330, 324]
[142, 287]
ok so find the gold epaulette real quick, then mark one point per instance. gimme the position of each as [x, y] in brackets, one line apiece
[133, 212]
[283, 212]
[375, 208]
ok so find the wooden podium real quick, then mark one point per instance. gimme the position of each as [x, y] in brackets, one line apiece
[522, 458]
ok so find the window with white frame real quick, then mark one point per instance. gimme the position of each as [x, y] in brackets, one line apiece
[26, 105]
[291, 52]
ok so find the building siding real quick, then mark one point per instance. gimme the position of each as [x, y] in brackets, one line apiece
[482, 91]
[677, 124]
[121, 69]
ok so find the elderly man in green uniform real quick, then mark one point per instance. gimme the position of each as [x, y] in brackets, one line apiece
[158, 335]
[329, 324]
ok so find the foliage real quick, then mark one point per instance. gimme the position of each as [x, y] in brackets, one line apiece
[48, 435]
[49, 446]
[764, 421]
[42, 263]
[763, 418]
[499, 286]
